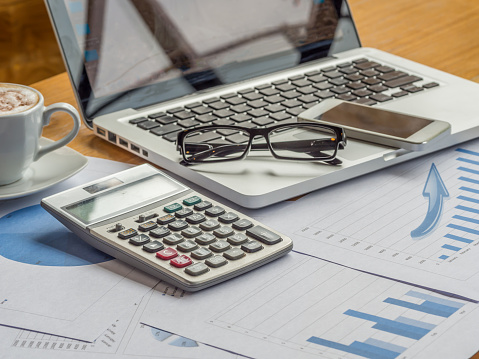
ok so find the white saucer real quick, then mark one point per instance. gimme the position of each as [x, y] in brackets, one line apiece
[49, 170]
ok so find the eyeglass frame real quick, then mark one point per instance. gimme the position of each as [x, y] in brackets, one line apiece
[263, 132]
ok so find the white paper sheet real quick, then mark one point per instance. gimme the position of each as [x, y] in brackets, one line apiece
[52, 281]
[302, 307]
[366, 223]
[124, 338]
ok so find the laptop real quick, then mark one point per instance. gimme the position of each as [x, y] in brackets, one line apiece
[144, 70]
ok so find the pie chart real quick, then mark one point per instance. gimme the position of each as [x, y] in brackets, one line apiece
[32, 236]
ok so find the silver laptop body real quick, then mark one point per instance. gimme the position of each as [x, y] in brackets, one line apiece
[189, 72]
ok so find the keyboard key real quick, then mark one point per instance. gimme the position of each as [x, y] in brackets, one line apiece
[173, 239]
[183, 212]
[379, 97]
[215, 211]
[148, 125]
[127, 233]
[252, 247]
[196, 218]
[201, 253]
[166, 219]
[229, 217]
[177, 225]
[219, 246]
[160, 232]
[187, 246]
[263, 235]
[209, 225]
[167, 254]
[181, 261]
[202, 205]
[191, 232]
[196, 269]
[153, 247]
[223, 232]
[205, 239]
[234, 254]
[139, 240]
[237, 239]
[163, 130]
[216, 261]
[147, 226]
[242, 224]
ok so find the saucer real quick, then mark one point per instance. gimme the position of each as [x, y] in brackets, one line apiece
[49, 170]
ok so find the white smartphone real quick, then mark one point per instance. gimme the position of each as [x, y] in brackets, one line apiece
[377, 125]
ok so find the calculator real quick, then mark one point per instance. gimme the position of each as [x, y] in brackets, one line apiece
[155, 223]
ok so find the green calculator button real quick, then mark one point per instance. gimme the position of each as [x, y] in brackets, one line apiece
[172, 208]
[191, 201]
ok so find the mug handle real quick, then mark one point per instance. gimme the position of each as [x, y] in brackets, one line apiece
[47, 112]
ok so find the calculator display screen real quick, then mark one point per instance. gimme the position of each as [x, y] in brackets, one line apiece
[123, 198]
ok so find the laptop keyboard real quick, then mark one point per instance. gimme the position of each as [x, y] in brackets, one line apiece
[362, 81]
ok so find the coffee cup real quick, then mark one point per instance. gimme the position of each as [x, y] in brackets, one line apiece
[22, 118]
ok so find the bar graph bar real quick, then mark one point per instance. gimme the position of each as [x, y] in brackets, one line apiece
[468, 212]
[402, 326]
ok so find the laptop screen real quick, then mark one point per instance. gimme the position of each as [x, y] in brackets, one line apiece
[135, 53]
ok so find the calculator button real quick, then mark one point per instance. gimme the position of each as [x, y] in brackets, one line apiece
[202, 205]
[177, 225]
[201, 253]
[220, 246]
[181, 261]
[234, 254]
[173, 239]
[187, 246]
[182, 213]
[263, 235]
[146, 216]
[191, 201]
[209, 225]
[116, 228]
[166, 219]
[196, 218]
[139, 240]
[191, 232]
[215, 211]
[127, 233]
[153, 247]
[205, 238]
[252, 246]
[216, 261]
[196, 269]
[223, 232]
[167, 253]
[242, 224]
[147, 226]
[160, 232]
[172, 208]
[237, 239]
[229, 217]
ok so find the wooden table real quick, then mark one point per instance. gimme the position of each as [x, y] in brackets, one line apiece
[443, 34]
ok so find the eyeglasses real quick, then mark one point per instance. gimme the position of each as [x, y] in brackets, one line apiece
[293, 141]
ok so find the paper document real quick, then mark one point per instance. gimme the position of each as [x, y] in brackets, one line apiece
[124, 338]
[417, 222]
[303, 307]
[52, 281]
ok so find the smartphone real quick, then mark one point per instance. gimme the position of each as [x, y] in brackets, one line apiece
[377, 125]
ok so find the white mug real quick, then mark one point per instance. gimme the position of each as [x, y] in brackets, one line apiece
[21, 128]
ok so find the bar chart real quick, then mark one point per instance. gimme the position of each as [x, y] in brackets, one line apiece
[377, 217]
[327, 310]
[401, 326]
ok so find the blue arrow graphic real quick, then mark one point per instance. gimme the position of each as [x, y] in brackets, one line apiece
[436, 191]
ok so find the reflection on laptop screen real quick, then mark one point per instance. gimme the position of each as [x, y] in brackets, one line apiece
[133, 53]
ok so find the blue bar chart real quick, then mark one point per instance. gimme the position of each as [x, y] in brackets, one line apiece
[402, 326]
[463, 225]
[326, 310]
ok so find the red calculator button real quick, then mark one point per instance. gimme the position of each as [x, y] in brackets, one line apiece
[167, 253]
[181, 261]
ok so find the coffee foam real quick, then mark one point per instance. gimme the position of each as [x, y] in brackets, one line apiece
[16, 99]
